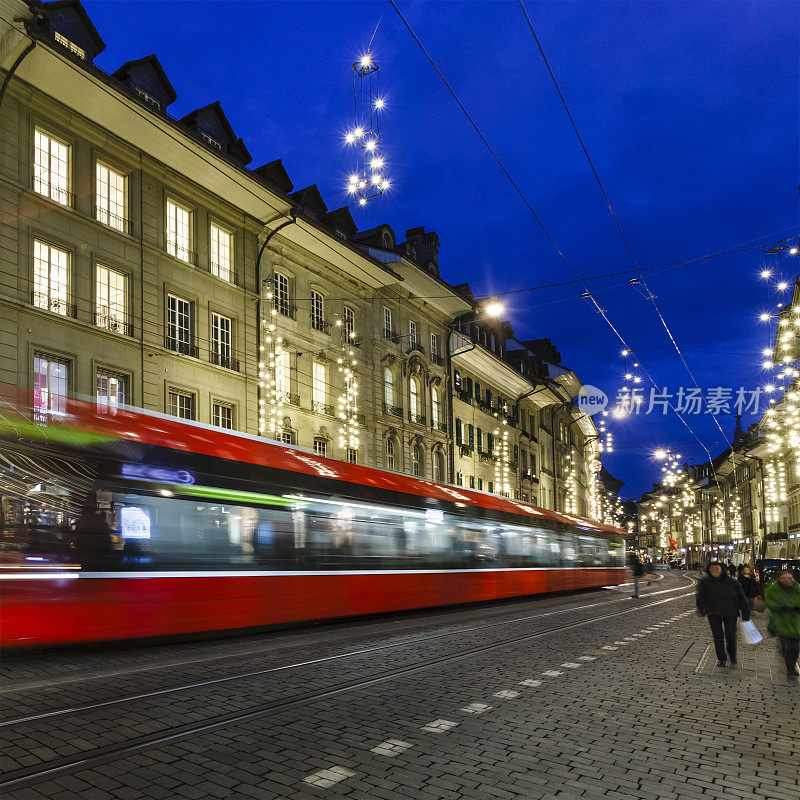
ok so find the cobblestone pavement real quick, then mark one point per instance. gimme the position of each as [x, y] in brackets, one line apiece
[590, 695]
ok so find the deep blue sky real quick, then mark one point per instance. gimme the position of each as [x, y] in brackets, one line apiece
[689, 109]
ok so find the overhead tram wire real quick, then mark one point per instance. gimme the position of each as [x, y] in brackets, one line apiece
[649, 294]
[544, 229]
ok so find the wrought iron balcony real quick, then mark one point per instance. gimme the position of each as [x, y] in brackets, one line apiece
[289, 399]
[52, 192]
[121, 224]
[58, 305]
[113, 322]
[418, 418]
[394, 411]
[391, 335]
[465, 450]
[465, 396]
[180, 346]
[284, 308]
[440, 426]
[437, 359]
[320, 325]
[177, 250]
[224, 360]
[487, 458]
[322, 408]
[416, 347]
[224, 273]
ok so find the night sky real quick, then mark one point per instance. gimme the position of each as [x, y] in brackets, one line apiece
[689, 110]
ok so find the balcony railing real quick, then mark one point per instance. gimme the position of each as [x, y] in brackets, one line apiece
[322, 408]
[437, 359]
[289, 399]
[527, 475]
[58, 305]
[391, 335]
[113, 322]
[223, 272]
[418, 418]
[465, 396]
[440, 426]
[180, 346]
[416, 347]
[51, 192]
[465, 450]
[121, 224]
[394, 411]
[177, 250]
[285, 309]
[487, 458]
[224, 360]
[320, 325]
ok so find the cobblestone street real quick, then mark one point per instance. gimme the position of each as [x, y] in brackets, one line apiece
[586, 695]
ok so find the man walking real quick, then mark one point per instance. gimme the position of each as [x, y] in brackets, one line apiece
[721, 599]
[636, 572]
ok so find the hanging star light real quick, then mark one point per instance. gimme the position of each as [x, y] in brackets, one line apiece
[368, 177]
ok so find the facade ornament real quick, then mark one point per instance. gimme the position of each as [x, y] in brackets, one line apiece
[323, 432]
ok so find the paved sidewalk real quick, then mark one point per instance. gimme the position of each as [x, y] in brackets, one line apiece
[624, 707]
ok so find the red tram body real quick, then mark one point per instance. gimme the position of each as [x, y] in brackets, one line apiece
[215, 531]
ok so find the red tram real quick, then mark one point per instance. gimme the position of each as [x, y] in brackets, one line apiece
[122, 523]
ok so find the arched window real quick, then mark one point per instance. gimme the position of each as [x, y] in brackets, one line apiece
[435, 407]
[417, 461]
[388, 387]
[438, 466]
[414, 404]
[390, 451]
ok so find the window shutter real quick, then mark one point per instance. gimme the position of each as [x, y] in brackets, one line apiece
[471, 432]
[458, 431]
[480, 440]
[469, 386]
[490, 442]
[477, 391]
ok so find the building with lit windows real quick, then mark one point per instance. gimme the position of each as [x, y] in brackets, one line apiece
[145, 262]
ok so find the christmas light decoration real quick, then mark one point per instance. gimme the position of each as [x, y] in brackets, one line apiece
[347, 410]
[368, 178]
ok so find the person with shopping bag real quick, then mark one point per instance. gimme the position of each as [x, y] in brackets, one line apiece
[782, 598]
[722, 599]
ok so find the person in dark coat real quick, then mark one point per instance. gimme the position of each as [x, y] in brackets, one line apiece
[637, 570]
[721, 599]
[751, 586]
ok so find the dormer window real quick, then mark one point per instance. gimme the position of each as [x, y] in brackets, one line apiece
[71, 46]
[210, 140]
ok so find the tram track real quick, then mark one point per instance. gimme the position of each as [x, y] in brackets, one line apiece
[294, 665]
[22, 777]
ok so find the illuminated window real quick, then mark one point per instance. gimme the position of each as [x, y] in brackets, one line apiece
[179, 231]
[388, 387]
[283, 375]
[222, 415]
[413, 396]
[436, 409]
[179, 325]
[221, 340]
[412, 334]
[435, 348]
[287, 437]
[112, 389]
[438, 466]
[50, 279]
[387, 323]
[390, 448]
[112, 301]
[349, 324]
[110, 197]
[416, 461]
[221, 247]
[51, 168]
[319, 394]
[281, 286]
[320, 446]
[317, 311]
[49, 387]
[181, 404]
[352, 455]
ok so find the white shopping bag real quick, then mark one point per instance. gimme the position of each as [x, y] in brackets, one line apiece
[751, 634]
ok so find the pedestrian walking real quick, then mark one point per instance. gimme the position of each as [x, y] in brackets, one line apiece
[637, 570]
[721, 599]
[751, 586]
[782, 598]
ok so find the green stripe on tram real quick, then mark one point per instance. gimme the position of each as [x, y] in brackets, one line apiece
[232, 495]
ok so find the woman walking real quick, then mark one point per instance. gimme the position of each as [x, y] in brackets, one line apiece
[750, 586]
[721, 599]
[782, 598]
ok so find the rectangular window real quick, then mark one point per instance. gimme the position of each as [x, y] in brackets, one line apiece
[181, 404]
[349, 324]
[388, 386]
[112, 389]
[179, 231]
[435, 348]
[221, 249]
[317, 311]
[49, 387]
[352, 455]
[51, 279]
[221, 340]
[320, 447]
[471, 481]
[51, 168]
[477, 391]
[480, 440]
[459, 435]
[471, 436]
[287, 437]
[71, 46]
[319, 394]
[112, 300]
[222, 415]
[412, 334]
[283, 375]
[387, 322]
[459, 478]
[180, 326]
[390, 454]
[489, 443]
[110, 198]
[281, 286]
[490, 486]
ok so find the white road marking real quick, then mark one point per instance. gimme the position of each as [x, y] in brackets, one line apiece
[530, 682]
[326, 778]
[439, 726]
[552, 673]
[621, 644]
[608, 647]
[506, 694]
[587, 658]
[476, 708]
[391, 748]
[570, 665]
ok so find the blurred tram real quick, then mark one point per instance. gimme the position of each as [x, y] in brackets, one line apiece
[119, 523]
